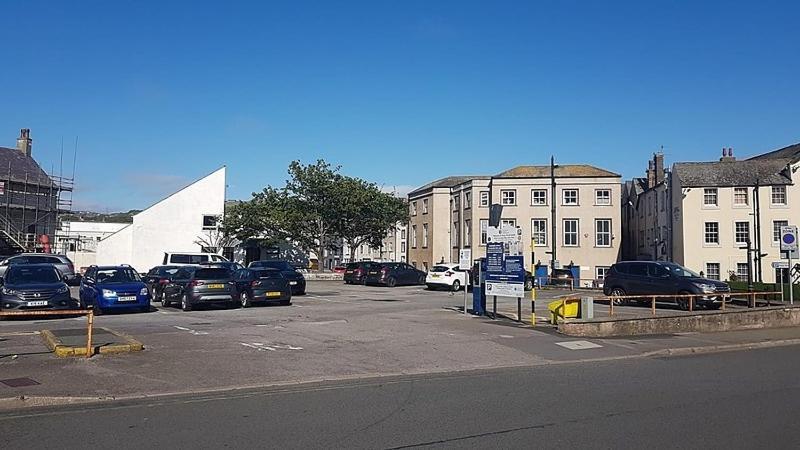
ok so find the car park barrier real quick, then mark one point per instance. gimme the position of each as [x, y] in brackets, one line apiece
[567, 283]
[751, 298]
[89, 313]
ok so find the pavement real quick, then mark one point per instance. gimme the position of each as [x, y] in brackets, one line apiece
[732, 400]
[336, 332]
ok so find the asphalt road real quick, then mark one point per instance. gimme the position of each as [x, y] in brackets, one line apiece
[747, 399]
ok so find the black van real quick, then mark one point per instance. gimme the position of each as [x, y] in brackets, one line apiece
[663, 278]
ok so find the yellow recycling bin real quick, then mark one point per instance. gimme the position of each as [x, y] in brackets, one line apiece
[564, 308]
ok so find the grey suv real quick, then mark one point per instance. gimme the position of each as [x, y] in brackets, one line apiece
[663, 278]
[62, 263]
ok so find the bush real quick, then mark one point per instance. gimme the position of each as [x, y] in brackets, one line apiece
[741, 286]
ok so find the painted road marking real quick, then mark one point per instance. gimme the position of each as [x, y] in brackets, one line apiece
[505, 336]
[324, 322]
[260, 346]
[194, 332]
[578, 345]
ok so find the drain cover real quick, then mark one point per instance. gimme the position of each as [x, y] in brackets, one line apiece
[19, 382]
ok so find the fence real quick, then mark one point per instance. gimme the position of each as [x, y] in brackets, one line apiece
[567, 283]
[89, 313]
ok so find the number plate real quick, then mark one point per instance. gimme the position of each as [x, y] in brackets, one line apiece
[216, 286]
[38, 303]
[435, 276]
[127, 298]
[273, 294]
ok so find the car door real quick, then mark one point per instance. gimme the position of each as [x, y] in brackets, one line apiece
[177, 283]
[242, 279]
[660, 281]
[638, 279]
[409, 274]
[87, 292]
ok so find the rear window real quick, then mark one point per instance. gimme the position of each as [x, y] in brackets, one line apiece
[209, 274]
[352, 266]
[32, 275]
[43, 260]
[279, 265]
[267, 274]
[440, 269]
[168, 270]
[188, 259]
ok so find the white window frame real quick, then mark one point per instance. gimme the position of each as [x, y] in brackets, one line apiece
[736, 233]
[533, 197]
[215, 226]
[456, 233]
[467, 233]
[776, 230]
[718, 268]
[577, 232]
[598, 233]
[467, 200]
[564, 197]
[511, 222]
[780, 191]
[598, 270]
[414, 208]
[708, 194]
[508, 200]
[742, 276]
[597, 198]
[413, 236]
[737, 191]
[542, 233]
[424, 206]
[483, 201]
[484, 229]
[707, 233]
[424, 235]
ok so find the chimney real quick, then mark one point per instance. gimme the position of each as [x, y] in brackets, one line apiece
[24, 141]
[658, 159]
[727, 155]
[651, 175]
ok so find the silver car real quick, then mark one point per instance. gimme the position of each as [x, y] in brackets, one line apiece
[61, 262]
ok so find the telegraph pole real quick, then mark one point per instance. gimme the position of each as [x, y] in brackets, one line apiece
[553, 212]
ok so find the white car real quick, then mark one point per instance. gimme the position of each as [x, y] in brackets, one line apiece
[446, 276]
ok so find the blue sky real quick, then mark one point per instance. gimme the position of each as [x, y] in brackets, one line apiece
[397, 92]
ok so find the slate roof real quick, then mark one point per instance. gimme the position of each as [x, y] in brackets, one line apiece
[562, 171]
[20, 165]
[446, 182]
[791, 152]
[764, 172]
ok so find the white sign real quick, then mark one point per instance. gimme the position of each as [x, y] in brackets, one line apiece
[780, 265]
[505, 289]
[789, 239]
[509, 235]
[465, 259]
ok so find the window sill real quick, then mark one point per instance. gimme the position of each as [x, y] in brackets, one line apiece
[778, 206]
[538, 204]
[712, 246]
[570, 204]
[603, 204]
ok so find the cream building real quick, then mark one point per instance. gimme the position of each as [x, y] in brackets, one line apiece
[646, 215]
[718, 206]
[453, 213]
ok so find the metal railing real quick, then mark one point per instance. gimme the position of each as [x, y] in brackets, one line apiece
[690, 298]
[89, 313]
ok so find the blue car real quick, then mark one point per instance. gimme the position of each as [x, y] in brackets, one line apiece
[114, 288]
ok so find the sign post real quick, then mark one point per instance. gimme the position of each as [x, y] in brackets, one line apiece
[789, 245]
[505, 276]
[465, 264]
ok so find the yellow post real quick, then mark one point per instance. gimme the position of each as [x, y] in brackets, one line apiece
[533, 290]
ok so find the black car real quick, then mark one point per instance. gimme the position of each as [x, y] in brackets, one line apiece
[356, 273]
[157, 278]
[394, 274]
[296, 279]
[31, 287]
[193, 286]
[262, 286]
[663, 278]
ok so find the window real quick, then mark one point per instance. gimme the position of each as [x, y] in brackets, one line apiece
[413, 236]
[467, 233]
[741, 272]
[538, 197]
[600, 272]
[424, 235]
[710, 197]
[712, 271]
[570, 232]
[602, 229]
[712, 233]
[569, 197]
[402, 234]
[413, 208]
[467, 200]
[663, 199]
[778, 195]
[402, 247]
[776, 230]
[402, 257]
[741, 232]
[456, 235]
[740, 196]
[484, 224]
[425, 206]
[210, 222]
[508, 222]
[508, 197]
[484, 199]
[602, 197]
[389, 247]
[456, 203]
[539, 232]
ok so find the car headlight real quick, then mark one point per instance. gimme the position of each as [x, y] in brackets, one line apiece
[707, 288]
[109, 293]
[144, 291]
[7, 291]
[62, 290]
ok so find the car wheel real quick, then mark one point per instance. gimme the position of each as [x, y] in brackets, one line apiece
[422, 279]
[185, 303]
[97, 310]
[391, 282]
[244, 300]
[456, 285]
[683, 303]
[164, 300]
[618, 292]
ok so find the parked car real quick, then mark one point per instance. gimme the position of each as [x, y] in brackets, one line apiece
[232, 266]
[61, 262]
[157, 278]
[339, 269]
[262, 286]
[355, 273]
[561, 277]
[663, 278]
[448, 276]
[30, 287]
[296, 279]
[193, 286]
[394, 274]
[114, 288]
[190, 259]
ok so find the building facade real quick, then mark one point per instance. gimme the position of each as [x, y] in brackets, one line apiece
[646, 215]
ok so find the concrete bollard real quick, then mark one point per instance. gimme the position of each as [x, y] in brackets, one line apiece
[587, 307]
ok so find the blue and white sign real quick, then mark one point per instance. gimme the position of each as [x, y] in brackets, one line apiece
[789, 239]
[505, 273]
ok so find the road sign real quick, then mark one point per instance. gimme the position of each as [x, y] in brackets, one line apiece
[465, 259]
[789, 239]
[780, 265]
[505, 289]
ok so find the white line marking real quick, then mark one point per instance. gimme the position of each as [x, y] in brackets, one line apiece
[182, 328]
[578, 345]
[505, 336]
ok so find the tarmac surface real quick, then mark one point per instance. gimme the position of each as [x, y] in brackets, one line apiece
[336, 332]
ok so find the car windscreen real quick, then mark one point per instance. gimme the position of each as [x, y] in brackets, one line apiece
[32, 275]
[680, 271]
[117, 275]
[279, 265]
[267, 274]
[211, 274]
[440, 269]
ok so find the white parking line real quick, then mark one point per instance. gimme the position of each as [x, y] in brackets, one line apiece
[194, 332]
[578, 345]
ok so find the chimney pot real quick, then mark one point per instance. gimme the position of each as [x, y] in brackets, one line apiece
[24, 141]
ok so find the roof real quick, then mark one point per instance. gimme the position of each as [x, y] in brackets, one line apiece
[446, 182]
[764, 172]
[21, 164]
[791, 152]
[561, 171]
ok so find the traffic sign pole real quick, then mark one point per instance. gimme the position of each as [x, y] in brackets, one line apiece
[789, 245]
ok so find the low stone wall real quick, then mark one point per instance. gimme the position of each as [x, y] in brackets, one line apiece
[776, 317]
